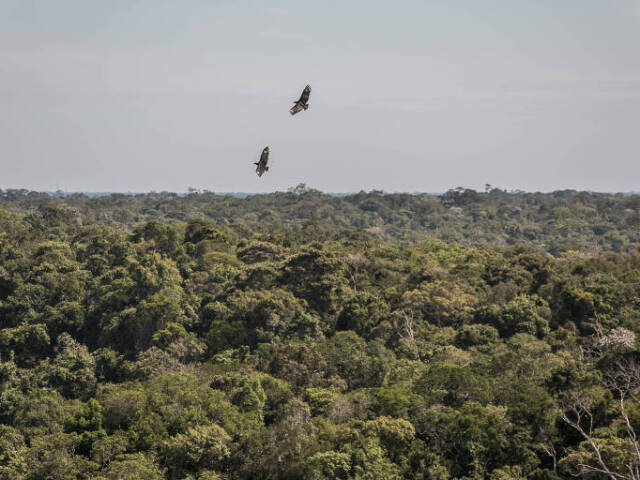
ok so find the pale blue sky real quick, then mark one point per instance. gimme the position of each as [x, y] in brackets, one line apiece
[409, 95]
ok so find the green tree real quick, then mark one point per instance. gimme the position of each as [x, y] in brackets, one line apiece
[72, 369]
[200, 447]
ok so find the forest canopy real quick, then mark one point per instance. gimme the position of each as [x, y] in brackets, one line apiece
[305, 336]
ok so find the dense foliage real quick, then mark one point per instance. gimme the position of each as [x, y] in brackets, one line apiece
[555, 222]
[249, 346]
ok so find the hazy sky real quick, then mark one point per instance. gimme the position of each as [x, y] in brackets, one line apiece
[138, 95]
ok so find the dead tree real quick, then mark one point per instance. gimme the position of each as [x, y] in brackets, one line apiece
[623, 380]
[356, 263]
[576, 413]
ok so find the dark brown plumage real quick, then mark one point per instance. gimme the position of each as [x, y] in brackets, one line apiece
[303, 102]
[262, 163]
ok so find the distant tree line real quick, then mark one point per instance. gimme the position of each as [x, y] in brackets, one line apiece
[555, 222]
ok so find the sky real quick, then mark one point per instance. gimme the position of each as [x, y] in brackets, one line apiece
[408, 96]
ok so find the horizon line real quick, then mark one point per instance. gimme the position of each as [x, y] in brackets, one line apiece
[305, 189]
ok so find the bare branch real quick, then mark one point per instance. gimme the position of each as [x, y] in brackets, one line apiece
[580, 410]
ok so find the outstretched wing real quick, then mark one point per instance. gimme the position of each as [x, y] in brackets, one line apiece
[304, 98]
[298, 107]
[264, 158]
[262, 163]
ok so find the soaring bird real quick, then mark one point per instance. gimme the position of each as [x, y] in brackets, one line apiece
[262, 163]
[302, 103]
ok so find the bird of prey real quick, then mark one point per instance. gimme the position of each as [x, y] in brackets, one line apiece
[262, 163]
[302, 103]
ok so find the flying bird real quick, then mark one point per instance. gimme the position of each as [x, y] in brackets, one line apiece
[262, 163]
[302, 103]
